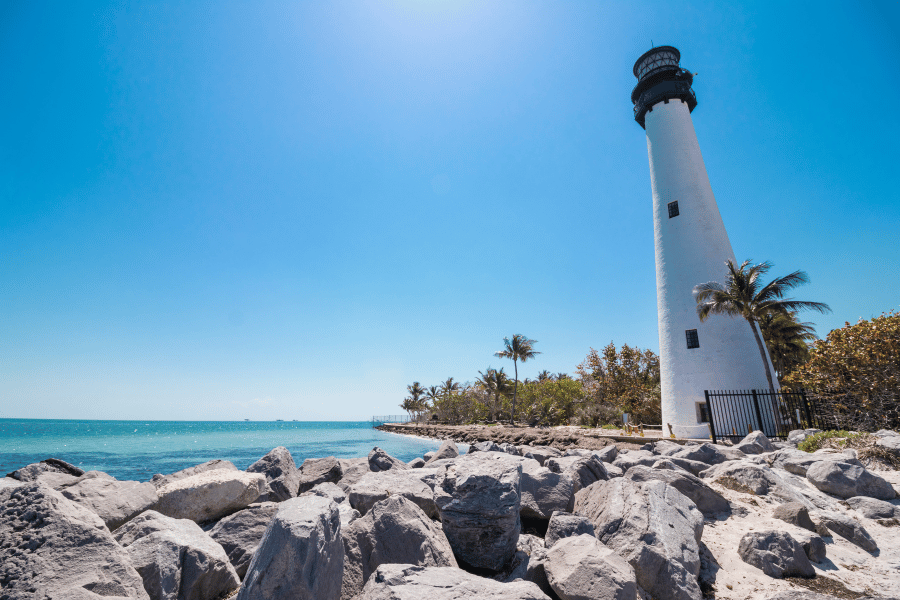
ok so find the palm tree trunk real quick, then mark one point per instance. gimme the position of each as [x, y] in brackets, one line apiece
[762, 353]
[512, 416]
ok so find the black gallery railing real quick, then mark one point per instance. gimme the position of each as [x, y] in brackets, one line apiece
[733, 414]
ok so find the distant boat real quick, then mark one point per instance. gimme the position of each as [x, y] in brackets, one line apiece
[246, 419]
[279, 419]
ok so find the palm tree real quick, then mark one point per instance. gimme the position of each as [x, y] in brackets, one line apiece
[743, 295]
[416, 403]
[496, 383]
[544, 375]
[517, 348]
[787, 340]
[449, 386]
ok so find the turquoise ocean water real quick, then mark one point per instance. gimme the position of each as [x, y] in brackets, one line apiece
[136, 450]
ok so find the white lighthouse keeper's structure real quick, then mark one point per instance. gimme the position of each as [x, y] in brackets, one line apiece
[691, 248]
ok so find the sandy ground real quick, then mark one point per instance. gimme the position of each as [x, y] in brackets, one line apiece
[855, 569]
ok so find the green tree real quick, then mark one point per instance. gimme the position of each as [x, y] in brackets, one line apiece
[415, 402]
[743, 295]
[496, 384]
[787, 340]
[626, 379]
[518, 348]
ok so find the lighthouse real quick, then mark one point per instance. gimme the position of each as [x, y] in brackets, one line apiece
[691, 248]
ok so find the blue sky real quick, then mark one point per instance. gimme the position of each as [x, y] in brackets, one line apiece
[294, 209]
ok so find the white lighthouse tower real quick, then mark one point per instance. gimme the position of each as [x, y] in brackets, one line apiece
[691, 248]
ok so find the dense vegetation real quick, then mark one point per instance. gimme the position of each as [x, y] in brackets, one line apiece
[608, 383]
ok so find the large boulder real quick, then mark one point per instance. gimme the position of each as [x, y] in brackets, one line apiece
[846, 480]
[582, 470]
[394, 531]
[212, 465]
[379, 460]
[240, 534]
[209, 495]
[6, 482]
[710, 454]
[846, 527]
[626, 460]
[301, 555]
[282, 475]
[48, 465]
[541, 453]
[329, 490]
[51, 547]
[582, 568]
[795, 514]
[563, 525]
[176, 559]
[409, 582]
[651, 525]
[353, 470]
[448, 449]
[320, 470]
[872, 508]
[485, 446]
[755, 442]
[479, 502]
[748, 477]
[813, 545]
[776, 553]
[416, 463]
[543, 491]
[376, 486]
[114, 501]
[708, 501]
[891, 443]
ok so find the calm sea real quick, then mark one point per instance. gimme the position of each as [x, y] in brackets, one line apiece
[136, 450]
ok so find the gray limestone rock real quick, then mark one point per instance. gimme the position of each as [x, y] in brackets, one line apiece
[114, 501]
[813, 546]
[176, 559]
[394, 531]
[846, 480]
[51, 547]
[872, 508]
[750, 477]
[707, 453]
[583, 470]
[320, 470]
[212, 465]
[479, 502]
[379, 460]
[635, 457]
[429, 455]
[209, 495]
[239, 534]
[416, 463]
[776, 553]
[666, 447]
[353, 469]
[651, 525]
[301, 555]
[329, 490]
[792, 460]
[582, 568]
[282, 475]
[49, 465]
[799, 435]
[409, 582]
[348, 515]
[448, 449]
[891, 443]
[755, 443]
[6, 482]
[694, 467]
[543, 491]
[794, 513]
[485, 446]
[847, 528]
[542, 453]
[563, 525]
[708, 501]
[375, 487]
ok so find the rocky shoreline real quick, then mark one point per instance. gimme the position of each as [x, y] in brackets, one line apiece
[560, 514]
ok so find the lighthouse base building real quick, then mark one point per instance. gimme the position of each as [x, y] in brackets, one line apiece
[692, 247]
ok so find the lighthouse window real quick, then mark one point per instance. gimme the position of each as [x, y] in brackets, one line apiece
[702, 412]
[692, 340]
[673, 209]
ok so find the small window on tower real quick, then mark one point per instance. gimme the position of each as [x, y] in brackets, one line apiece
[692, 340]
[673, 209]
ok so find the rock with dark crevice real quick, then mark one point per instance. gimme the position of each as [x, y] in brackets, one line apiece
[282, 475]
[776, 553]
[240, 534]
[212, 465]
[314, 471]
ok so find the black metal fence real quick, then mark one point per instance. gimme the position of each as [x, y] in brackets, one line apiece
[376, 421]
[734, 414]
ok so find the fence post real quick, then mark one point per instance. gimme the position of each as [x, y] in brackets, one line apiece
[806, 409]
[758, 414]
[709, 410]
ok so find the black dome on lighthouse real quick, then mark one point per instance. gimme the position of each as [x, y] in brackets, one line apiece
[660, 79]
